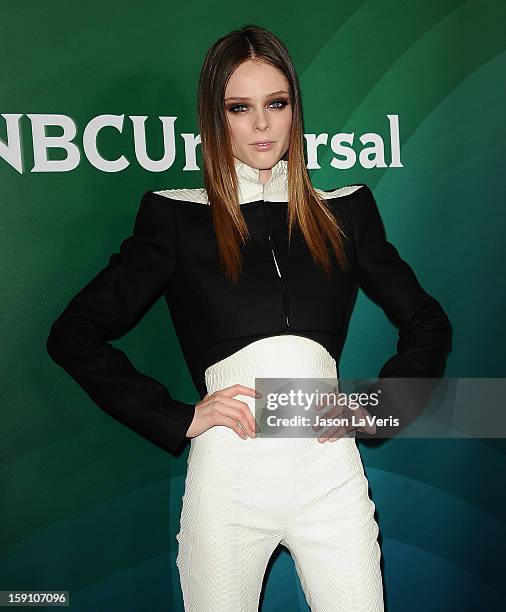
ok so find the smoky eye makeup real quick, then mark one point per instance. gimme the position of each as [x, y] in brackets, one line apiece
[235, 108]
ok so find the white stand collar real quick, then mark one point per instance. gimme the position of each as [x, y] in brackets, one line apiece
[252, 190]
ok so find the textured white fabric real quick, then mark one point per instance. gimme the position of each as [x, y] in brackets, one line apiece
[243, 497]
[252, 190]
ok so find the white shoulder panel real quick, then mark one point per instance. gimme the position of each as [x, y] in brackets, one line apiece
[188, 195]
[340, 192]
[199, 195]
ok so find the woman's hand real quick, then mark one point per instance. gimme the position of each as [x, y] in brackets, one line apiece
[220, 408]
[332, 433]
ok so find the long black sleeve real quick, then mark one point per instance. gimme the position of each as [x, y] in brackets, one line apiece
[424, 328]
[107, 308]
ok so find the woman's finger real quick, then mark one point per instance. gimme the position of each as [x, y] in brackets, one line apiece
[231, 416]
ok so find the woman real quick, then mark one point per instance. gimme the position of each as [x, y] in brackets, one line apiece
[259, 271]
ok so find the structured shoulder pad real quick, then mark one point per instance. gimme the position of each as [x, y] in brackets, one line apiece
[185, 195]
[339, 192]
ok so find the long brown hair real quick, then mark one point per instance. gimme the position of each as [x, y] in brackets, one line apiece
[305, 206]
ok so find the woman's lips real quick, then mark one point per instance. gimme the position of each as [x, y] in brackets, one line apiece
[263, 146]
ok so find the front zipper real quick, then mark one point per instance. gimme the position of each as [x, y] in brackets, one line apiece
[283, 284]
[274, 256]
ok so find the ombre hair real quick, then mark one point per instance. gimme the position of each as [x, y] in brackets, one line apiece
[306, 207]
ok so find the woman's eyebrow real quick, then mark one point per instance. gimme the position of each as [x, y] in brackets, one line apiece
[274, 93]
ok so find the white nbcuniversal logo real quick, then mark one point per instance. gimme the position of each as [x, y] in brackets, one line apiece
[372, 154]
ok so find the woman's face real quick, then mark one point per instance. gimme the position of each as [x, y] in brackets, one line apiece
[257, 106]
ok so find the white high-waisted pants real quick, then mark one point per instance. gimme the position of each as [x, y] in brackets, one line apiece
[243, 497]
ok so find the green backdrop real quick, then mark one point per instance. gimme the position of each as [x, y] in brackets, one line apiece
[91, 507]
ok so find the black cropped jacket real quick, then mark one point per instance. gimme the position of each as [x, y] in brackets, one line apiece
[173, 252]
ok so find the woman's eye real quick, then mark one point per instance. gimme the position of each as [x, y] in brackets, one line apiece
[235, 107]
[283, 103]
